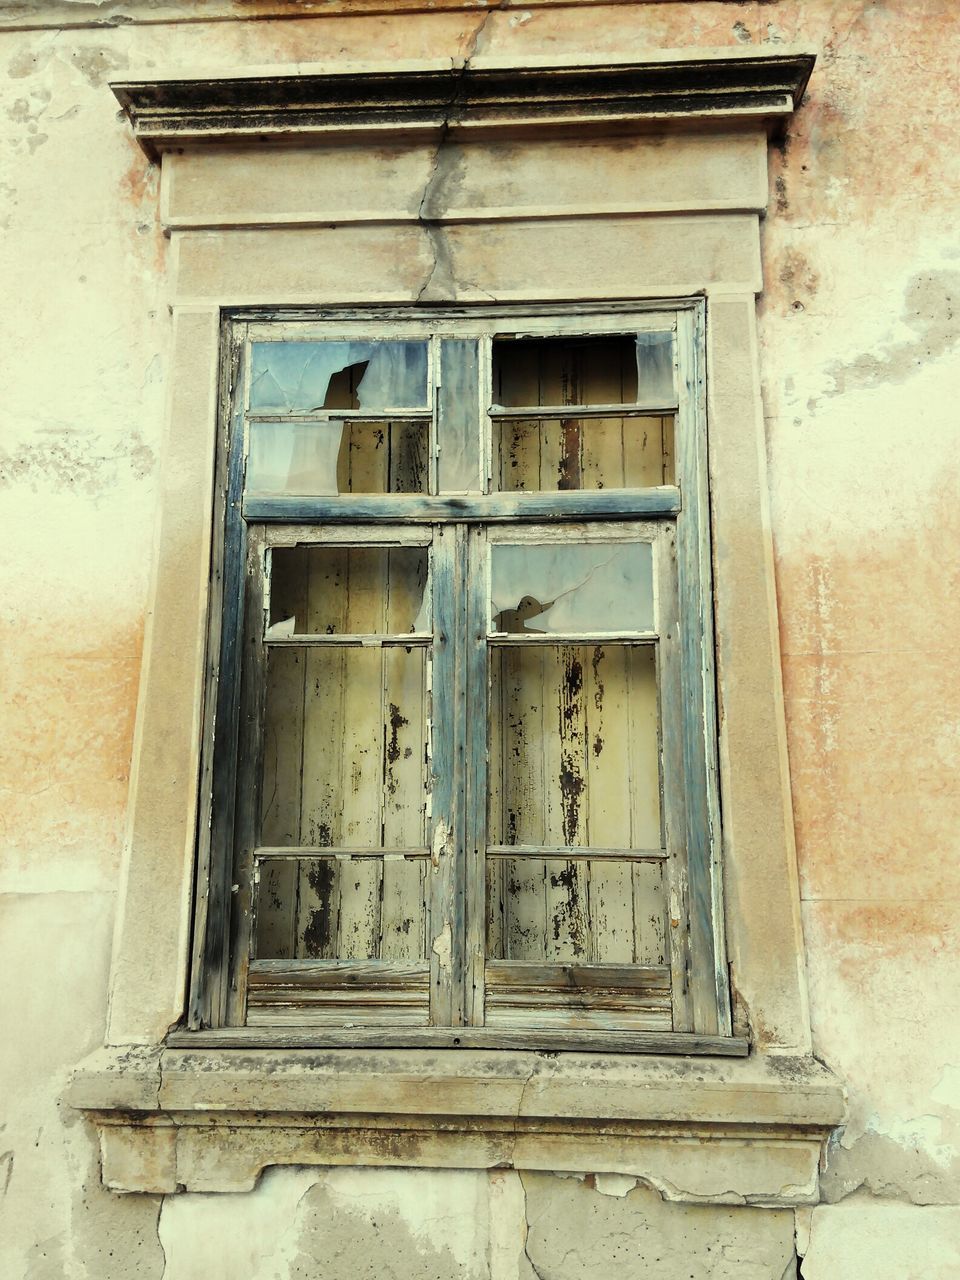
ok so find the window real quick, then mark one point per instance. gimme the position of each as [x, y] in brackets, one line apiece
[460, 764]
[258, 234]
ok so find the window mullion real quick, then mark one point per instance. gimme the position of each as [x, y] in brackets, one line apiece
[446, 899]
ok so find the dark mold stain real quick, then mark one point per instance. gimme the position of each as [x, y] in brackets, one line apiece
[317, 935]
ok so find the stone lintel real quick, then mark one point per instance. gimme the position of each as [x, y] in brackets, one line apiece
[476, 99]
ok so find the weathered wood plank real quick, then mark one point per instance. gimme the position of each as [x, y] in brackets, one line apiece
[520, 638]
[406, 416]
[339, 973]
[290, 995]
[564, 746]
[519, 721]
[287, 534]
[646, 883]
[579, 411]
[578, 504]
[212, 961]
[249, 775]
[403, 906]
[445, 912]
[318, 901]
[708, 977]
[270, 852]
[354, 1016]
[548, 1040]
[573, 978]
[362, 746]
[282, 765]
[573, 1017]
[571, 852]
[608, 692]
[476, 742]
[399, 640]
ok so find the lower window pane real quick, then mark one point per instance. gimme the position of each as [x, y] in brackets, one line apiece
[344, 748]
[341, 909]
[574, 747]
[590, 911]
[312, 459]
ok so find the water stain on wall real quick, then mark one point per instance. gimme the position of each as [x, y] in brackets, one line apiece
[929, 313]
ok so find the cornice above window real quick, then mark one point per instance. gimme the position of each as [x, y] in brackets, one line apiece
[478, 98]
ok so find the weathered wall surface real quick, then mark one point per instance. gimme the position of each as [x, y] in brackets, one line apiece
[861, 374]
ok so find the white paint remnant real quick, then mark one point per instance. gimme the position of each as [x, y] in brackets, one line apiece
[442, 946]
[614, 1184]
[442, 841]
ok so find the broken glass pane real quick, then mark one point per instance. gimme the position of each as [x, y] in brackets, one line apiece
[325, 908]
[578, 589]
[574, 746]
[320, 590]
[549, 454]
[552, 371]
[655, 365]
[614, 369]
[345, 747]
[300, 377]
[585, 912]
[314, 459]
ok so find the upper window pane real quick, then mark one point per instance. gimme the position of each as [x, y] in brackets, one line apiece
[568, 588]
[617, 369]
[303, 377]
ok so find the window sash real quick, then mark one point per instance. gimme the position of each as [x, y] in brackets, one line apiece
[457, 983]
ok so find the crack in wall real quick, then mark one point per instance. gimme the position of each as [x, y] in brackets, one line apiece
[526, 1227]
[160, 1207]
[439, 282]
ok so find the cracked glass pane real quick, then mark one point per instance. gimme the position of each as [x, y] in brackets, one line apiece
[313, 459]
[301, 377]
[563, 588]
[655, 368]
[319, 590]
[344, 759]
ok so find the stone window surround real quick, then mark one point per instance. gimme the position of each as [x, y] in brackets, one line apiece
[688, 136]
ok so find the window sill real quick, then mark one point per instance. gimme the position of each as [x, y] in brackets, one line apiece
[730, 1131]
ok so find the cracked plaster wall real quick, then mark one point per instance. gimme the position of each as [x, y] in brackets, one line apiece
[859, 348]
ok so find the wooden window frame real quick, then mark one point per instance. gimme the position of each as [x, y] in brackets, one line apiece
[245, 525]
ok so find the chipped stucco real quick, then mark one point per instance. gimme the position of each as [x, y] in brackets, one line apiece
[859, 357]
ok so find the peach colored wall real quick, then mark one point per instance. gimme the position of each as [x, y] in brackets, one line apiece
[860, 337]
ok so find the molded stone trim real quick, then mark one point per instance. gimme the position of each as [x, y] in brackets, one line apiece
[475, 98]
[717, 1132]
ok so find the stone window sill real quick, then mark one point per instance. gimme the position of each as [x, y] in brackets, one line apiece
[731, 1131]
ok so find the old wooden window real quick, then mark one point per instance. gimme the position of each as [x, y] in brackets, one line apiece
[460, 755]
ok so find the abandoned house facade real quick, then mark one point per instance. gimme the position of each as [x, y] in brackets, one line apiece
[481, 722]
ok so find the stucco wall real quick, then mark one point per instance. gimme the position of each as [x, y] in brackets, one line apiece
[859, 342]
